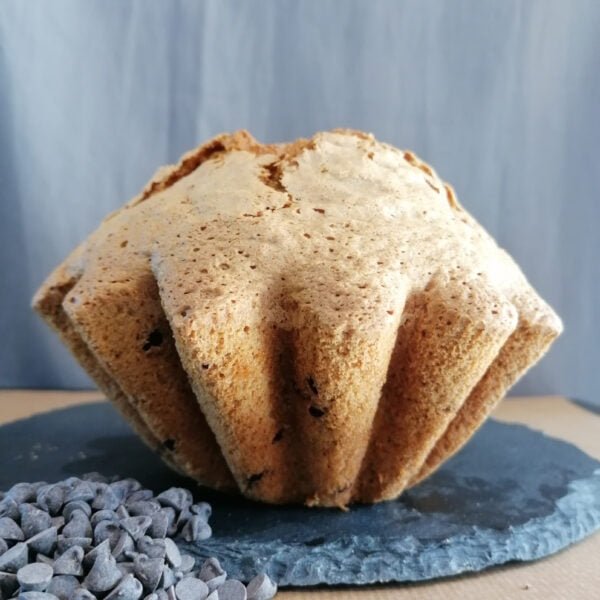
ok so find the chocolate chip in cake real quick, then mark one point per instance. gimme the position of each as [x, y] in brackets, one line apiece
[154, 340]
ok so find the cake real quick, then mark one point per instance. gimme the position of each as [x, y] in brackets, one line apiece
[317, 322]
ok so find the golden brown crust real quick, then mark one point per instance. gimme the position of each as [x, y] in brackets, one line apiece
[344, 324]
[48, 302]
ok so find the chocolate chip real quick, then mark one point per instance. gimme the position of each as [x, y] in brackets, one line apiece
[22, 492]
[215, 582]
[160, 525]
[63, 586]
[90, 558]
[169, 444]
[9, 530]
[81, 491]
[232, 589]
[183, 518]
[172, 520]
[154, 339]
[129, 588]
[153, 548]
[145, 508]
[124, 545]
[168, 577]
[202, 509]
[70, 562]
[82, 594]
[191, 589]
[148, 571]
[261, 588]
[178, 498]
[139, 495]
[196, 529]
[126, 567]
[103, 575]
[14, 558]
[136, 527]
[33, 520]
[71, 507]
[8, 584]
[255, 478]
[315, 411]
[212, 573]
[9, 508]
[103, 515]
[107, 530]
[37, 596]
[64, 543]
[173, 555]
[51, 498]
[122, 512]
[95, 477]
[125, 487]
[43, 542]
[34, 577]
[106, 499]
[78, 525]
[44, 559]
[187, 563]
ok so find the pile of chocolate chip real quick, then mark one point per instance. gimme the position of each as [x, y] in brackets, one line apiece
[94, 538]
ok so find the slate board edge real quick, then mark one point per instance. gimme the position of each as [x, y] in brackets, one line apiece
[391, 566]
[405, 556]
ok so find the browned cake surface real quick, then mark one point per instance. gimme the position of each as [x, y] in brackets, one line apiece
[318, 322]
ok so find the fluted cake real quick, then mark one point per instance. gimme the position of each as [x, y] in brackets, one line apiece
[317, 322]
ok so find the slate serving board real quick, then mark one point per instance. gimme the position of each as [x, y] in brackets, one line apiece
[511, 494]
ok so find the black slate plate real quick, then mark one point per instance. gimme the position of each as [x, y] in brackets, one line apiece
[511, 494]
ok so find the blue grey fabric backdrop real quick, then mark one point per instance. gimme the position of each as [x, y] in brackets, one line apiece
[502, 97]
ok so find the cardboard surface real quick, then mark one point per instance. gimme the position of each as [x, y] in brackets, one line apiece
[573, 573]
